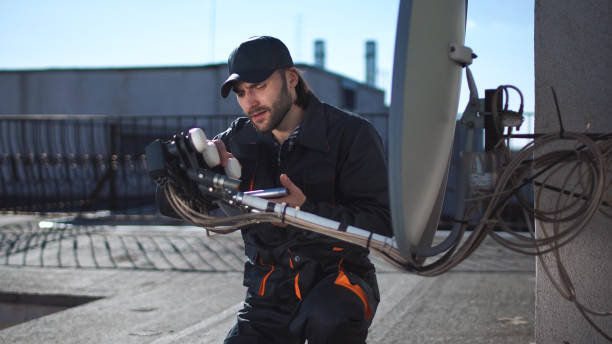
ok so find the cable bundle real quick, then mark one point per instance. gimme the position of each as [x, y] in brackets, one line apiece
[577, 204]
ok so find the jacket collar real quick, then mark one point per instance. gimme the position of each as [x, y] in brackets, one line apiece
[313, 132]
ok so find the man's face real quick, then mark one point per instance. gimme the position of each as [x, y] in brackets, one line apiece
[267, 102]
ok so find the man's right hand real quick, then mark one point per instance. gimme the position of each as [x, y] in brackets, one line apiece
[232, 167]
[223, 153]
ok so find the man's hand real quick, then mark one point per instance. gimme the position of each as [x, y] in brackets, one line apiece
[295, 197]
[223, 153]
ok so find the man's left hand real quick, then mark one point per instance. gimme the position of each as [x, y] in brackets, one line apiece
[295, 197]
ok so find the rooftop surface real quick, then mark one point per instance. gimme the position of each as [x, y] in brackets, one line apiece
[173, 284]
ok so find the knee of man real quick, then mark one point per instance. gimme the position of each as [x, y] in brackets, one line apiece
[337, 323]
[336, 330]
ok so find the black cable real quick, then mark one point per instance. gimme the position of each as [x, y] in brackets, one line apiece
[561, 128]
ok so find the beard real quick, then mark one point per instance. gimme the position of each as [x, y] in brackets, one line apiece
[278, 111]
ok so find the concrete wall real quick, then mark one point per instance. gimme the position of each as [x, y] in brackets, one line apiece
[573, 51]
[152, 91]
[329, 88]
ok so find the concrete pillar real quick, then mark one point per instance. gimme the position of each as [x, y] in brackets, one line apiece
[573, 51]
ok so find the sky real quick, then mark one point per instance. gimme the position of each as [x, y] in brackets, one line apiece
[39, 34]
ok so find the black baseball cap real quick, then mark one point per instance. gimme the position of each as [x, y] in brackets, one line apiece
[254, 60]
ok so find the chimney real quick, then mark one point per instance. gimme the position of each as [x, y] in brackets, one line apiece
[371, 63]
[319, 51]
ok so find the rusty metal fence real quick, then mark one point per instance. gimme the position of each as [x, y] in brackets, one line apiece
[76, 163]
[83, 162]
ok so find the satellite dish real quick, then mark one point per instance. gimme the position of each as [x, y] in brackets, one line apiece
[424, 100]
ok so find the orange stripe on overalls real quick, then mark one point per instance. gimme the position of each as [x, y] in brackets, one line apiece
[342, 280]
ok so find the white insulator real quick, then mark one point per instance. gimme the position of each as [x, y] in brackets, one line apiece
[209, 151]
[200, 143]
[233, 168]
[198, 139]
[211, 155]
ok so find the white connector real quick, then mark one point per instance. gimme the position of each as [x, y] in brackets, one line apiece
[198, 139]
[461, 54]
[209, 151]
[233, 168]
[206, 148]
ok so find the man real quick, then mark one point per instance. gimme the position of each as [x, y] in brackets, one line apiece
[303, 285]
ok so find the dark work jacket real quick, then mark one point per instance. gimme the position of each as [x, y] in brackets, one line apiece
[338, 162]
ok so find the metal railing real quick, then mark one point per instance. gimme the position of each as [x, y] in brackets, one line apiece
[76, 163]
